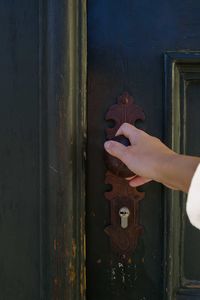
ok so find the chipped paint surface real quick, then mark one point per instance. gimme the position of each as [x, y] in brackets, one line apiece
[54, 245]
[83, 281]
[113, 274]
[83, 266]
[123, 275]
[71, 273]
[121, 267]
[73, 248]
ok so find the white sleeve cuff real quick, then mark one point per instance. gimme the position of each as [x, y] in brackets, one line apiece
[193, 199]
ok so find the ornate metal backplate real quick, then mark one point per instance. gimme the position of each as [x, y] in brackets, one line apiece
[123, 240]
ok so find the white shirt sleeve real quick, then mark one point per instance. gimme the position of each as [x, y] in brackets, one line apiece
[193, 199]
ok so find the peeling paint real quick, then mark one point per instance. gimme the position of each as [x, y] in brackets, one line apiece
[71, 273]
[73, 248]
[129, 261]
[121, 267]
[143, 260]
[113, 274]
[83, 267]
[57, 282]
[83, 281]
[53, 169]
[54, 245]
[93, 214]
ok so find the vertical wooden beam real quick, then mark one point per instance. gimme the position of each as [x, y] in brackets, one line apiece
[63, 90]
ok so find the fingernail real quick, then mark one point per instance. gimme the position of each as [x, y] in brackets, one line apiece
[132, 184]
[107, 145]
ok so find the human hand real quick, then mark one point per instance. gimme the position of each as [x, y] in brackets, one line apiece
[146, 156]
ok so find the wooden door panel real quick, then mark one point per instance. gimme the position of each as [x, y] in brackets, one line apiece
[129, 46]
[182, 94]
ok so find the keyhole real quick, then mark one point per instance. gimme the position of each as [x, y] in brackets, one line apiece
[124, 213]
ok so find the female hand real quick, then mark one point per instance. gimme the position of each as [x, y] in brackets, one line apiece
[150, 159]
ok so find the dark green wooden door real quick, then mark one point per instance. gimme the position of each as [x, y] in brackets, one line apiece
[19, 175]
[150, 49]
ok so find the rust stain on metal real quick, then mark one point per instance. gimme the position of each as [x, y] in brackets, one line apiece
[124, 111]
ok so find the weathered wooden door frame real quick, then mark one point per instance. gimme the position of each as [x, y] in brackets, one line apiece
[62, 52]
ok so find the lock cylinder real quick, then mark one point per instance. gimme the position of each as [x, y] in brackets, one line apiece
[124, 213]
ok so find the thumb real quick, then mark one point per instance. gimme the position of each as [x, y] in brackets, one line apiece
[116, 149]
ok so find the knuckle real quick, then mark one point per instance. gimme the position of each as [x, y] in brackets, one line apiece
[126, 126]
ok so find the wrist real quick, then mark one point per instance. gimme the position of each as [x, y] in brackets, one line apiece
[177, 171]
[167, 172]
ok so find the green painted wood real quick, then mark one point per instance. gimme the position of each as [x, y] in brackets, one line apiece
[182, 126]
[43, 137]
[64, 89]
[20, 202]
[43, 131]
[126, 45]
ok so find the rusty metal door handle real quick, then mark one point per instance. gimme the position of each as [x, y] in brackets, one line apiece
[115, 165]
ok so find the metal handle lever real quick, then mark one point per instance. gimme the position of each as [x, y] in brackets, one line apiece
[115, 165]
